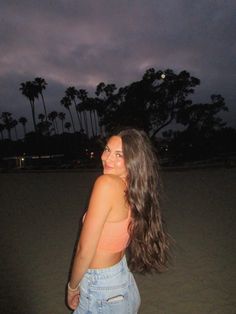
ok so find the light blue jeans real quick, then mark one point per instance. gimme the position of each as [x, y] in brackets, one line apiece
[109, 290]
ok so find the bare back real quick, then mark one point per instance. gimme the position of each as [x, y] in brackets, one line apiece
[115, 200]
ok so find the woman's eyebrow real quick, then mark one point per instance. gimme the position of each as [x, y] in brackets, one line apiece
[117, 151]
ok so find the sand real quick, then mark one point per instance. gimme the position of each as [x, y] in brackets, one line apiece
[39, 222]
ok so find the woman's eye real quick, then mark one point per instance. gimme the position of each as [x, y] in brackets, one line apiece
[119, 155]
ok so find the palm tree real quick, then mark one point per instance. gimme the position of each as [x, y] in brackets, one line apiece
[7, 120]
[99, 105]
[105, 95]
[82, 94]
[30, 91]
[23, 121]
[90, 108]
[66, 102]
[52, 116]
[41, 85]
[61, 116]
[43, 125]
[2, 127]
[68, 126]
[72, 93]
[93, 107]
[41, 117]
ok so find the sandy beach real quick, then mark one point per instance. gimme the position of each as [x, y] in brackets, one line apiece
[39, 223]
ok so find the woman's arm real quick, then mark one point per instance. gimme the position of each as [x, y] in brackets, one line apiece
[100, 205]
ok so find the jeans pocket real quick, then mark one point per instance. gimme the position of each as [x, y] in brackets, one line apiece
[116, 303]
[116, 298]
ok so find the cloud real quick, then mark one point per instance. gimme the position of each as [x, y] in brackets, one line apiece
[82, 43]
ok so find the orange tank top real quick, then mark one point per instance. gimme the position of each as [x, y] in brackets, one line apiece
[114, 236]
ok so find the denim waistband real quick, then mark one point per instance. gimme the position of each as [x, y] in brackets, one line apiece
[109, 271]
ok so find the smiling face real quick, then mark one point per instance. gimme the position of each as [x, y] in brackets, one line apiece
[113, 158]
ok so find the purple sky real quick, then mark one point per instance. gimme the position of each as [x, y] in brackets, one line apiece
[82, 43]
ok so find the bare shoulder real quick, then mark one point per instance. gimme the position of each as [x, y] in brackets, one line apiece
[105, 191]
[108, 182]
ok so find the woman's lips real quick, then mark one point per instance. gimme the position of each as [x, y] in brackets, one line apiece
[107, 167]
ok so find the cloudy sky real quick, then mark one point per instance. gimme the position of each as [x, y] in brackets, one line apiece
[82, 43]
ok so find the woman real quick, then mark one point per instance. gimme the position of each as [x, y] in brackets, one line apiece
[123, 213]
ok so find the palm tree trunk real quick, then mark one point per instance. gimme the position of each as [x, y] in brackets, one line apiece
[72, 121]
[56, 125]
[33, 115]
[96, 121]
[86, 123]
[91, 120]
[44, 106]
[78, 116]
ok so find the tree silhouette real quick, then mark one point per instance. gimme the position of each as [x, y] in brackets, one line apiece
[2, 127]
[68, 126]
[23, 121]
[72, 93]
[93, 104]
[201, 118]
[61, 116]
[41, 117]
[171, 96]
[52, 116]
[106, 104]
[89, 106]
[151, 103]
[66, 102]
[8, 122]
[44, 127]
[41, 85]
[82, 95]
[30, 91]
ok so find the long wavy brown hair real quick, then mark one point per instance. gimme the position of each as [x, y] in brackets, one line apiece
[149, 241]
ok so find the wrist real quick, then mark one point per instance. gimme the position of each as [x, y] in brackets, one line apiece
[76, 289]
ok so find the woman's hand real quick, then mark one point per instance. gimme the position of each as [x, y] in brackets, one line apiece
[73, 299]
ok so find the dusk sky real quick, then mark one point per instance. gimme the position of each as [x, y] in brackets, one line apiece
[82, 43]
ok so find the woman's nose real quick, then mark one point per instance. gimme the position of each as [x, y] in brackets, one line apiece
[109, 157]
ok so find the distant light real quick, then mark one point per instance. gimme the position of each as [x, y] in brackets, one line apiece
[22, 159]
[163, 76]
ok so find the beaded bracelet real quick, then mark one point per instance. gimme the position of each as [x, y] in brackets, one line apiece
[72, 289]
